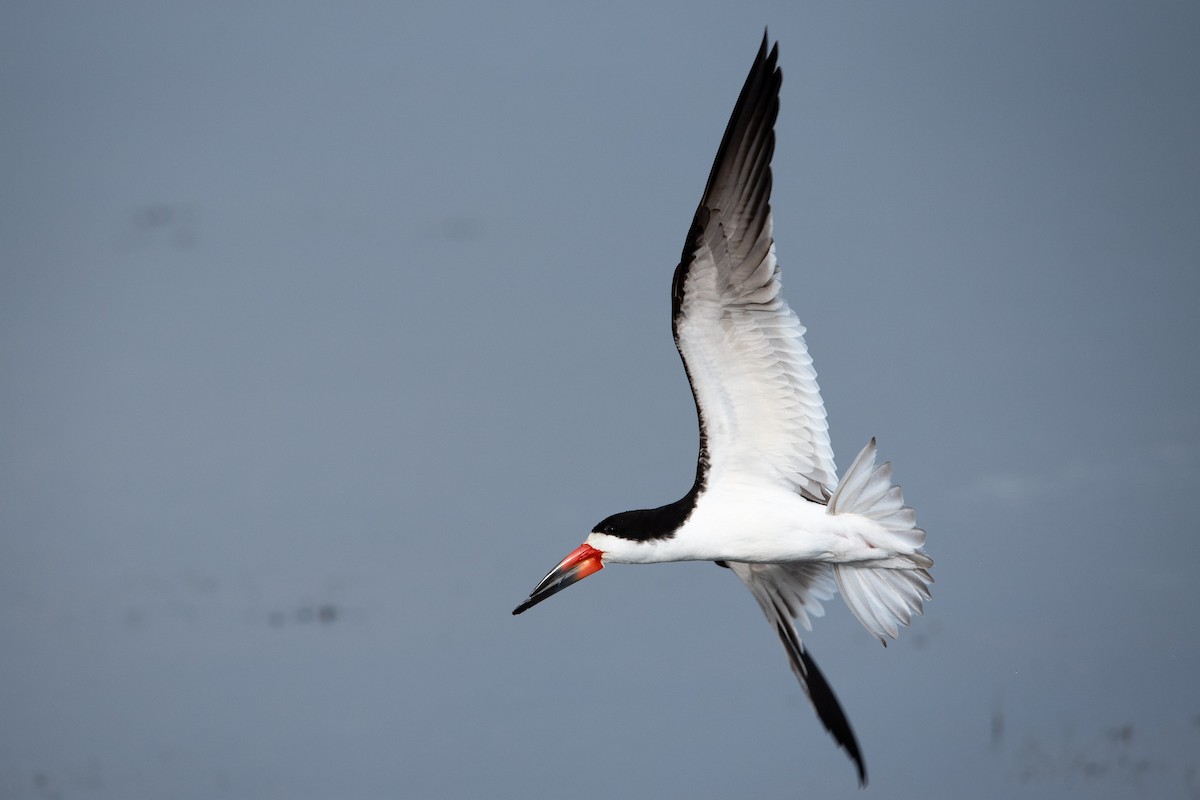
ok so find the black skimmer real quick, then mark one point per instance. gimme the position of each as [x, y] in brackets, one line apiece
[766, 502]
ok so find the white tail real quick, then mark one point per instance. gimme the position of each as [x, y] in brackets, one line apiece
[882, 596]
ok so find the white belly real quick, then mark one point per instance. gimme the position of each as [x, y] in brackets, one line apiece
[754, 524]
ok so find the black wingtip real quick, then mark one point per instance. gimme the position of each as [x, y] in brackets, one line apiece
[766, 49]
[831, 714]
[824, 701]
[751, 125]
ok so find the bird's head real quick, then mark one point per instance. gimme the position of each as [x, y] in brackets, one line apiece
[621, 538]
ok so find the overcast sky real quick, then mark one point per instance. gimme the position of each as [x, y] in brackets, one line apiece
[327, 329]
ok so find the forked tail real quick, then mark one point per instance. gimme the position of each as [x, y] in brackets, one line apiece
[882, 596]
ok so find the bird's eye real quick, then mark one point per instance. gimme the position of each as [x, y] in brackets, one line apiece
[610, 528]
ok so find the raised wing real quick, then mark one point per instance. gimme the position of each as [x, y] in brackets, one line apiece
[792, 592]
[756, 393]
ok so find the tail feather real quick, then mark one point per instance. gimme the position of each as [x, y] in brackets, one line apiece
[882, 596]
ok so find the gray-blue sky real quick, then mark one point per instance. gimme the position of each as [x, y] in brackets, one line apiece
[325, 331]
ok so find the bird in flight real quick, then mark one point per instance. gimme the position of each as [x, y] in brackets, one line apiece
[766, 502]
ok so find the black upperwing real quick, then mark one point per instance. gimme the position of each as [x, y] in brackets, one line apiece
[739, 184]
[757, 401]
